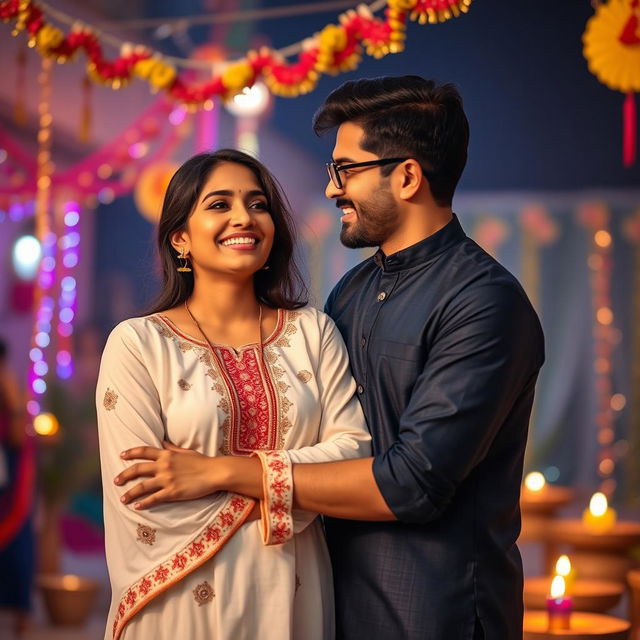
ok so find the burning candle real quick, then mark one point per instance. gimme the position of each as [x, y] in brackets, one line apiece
[559, 606]
[599, 518]
[564, 569]
[534, 482]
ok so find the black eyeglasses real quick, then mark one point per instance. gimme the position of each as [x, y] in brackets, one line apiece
[335, 169]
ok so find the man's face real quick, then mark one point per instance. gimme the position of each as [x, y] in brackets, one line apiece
[369, 209]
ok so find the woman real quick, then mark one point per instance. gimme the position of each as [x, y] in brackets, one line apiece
[17, 474]
[229, 362]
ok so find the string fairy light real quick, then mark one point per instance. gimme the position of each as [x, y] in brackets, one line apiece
[43, 302]
[595, 217]
[69, 246]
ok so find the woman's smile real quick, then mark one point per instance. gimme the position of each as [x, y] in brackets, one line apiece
[240, 241]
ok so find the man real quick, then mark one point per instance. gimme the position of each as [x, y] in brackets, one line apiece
[445, 349]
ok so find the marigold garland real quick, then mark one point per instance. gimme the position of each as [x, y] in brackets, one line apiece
[336, 48]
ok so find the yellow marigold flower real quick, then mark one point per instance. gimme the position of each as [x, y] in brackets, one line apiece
[402, 5]
[48, 37]
[237, 76]
[333, 37]
[143, 68]
[612, 45]
[162, 75]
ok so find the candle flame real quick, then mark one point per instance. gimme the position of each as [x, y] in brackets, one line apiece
[563, 566]
[598, 504]
[534, 481]
[557, 587]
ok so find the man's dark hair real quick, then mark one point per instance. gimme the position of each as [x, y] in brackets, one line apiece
[405, 116]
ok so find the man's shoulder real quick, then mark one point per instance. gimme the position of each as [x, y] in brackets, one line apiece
[476, 267]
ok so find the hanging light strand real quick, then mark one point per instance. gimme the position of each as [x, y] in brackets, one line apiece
[43, 302]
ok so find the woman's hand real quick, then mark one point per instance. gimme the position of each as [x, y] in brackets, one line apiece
[171, 474]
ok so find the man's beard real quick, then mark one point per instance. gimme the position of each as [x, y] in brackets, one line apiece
[376, 220]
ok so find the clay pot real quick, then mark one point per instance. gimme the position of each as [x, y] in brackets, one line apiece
[68, 599]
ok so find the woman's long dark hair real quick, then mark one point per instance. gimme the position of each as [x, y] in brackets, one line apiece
[280, 286]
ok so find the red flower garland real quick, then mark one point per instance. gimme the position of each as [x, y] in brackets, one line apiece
[335, 49]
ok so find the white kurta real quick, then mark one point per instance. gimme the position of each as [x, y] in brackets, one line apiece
[192, 569]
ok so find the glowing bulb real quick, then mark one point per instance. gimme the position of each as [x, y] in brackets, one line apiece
[604, 315]
[602, 238]
[46, 424]
[534, 481]
[42, 339]
[618, 401]
[71, 218]
[33, 408]
[250, 103]
[26, 257]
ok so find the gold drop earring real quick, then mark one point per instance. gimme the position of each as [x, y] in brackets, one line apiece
[184, 267]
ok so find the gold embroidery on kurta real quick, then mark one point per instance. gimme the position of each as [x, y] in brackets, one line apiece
[183, 384]
[271, 358]
[289, 330]
[164, 331]
[146, 534]
[203, 593]
[205, 357]
[110, 399]
[304, 375]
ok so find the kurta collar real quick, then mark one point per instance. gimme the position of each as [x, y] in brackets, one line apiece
[423, 251]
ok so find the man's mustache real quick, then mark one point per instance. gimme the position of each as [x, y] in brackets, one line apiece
[344, 203]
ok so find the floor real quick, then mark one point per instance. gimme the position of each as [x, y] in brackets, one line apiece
[92, 566]
[40, 627]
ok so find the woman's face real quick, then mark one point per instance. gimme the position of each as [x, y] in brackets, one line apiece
[230, 229]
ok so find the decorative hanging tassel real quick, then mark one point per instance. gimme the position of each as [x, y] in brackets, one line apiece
[19, 107]
[629, 130]
[86, 113]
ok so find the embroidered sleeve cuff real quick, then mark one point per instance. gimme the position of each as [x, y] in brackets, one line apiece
[277, 483]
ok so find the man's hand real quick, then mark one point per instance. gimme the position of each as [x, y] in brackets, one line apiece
[170, 474]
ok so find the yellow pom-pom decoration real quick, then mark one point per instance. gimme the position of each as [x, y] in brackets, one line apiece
[237, 76]
[612, 45]
[162, 75]
[331, 40]
[143, 68]
[402, 5]
[333, 37]
[48, 37]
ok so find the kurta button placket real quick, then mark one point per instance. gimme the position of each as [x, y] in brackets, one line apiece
[360, 389]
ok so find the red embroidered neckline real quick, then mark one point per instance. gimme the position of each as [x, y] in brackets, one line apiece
[275, 334]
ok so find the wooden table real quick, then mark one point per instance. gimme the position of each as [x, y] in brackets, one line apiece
[584, 626]
[538, 511]
[594, 596]
[601, 556]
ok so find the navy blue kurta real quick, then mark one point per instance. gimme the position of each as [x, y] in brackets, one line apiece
[445, 348]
